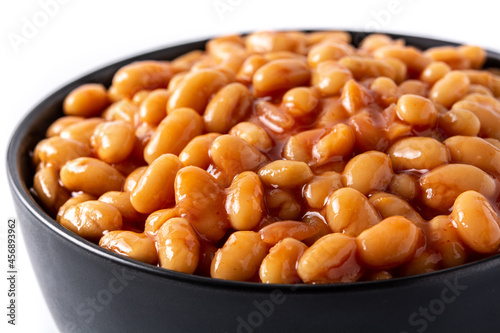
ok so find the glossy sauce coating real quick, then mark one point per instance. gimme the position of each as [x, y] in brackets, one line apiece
[284, 157]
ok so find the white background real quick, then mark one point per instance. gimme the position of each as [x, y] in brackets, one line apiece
[79, 36]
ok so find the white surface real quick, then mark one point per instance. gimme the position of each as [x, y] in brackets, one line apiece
[80, 36]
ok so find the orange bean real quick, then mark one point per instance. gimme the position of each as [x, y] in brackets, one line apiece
[390, 243]
[278, 231]
[332, 259]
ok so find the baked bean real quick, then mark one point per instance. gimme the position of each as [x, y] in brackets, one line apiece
[368, 135]
[477, 222]
[245, 201]
[329, 50]
[140, 96]
[299, 146]
[449, 89]
[459, 122]
[386, 90]
[316, 220]
[390, 243]
[132, 179]
[399, 67]
[426, 262]
[331, 259]
[195, 90]
[113, 141]
[494, 142]
[374, 41]
[123, 110]
[391, 205]
[301, 101]
[337, 143]
[366, 67]
[121, 201]
[196, 151]
[249, 67]
[283, 204]
[285, 174]
[270, 56]
[482, 78]
[274, 117]
[354, 97]
[444, 238]
[416, 110]
[56, 151]
[331, 112]
[90, 175]
[348, 211]
[174, 133]
[207, 61]
[228, 106]
[269, 41]
[367, 172]
[449, 55]
[155, 188]
[234, 155]
[81, 131]
[91, 219]
[240, 257]
[396, 129]
[434, 72]
[141, 75]
[329, 77]
[218, 46]
[442, 185]
[252, 134]
[278, 231]
[495, 85]
[419, 153]
[88, 100]
[200, 199]
[113, 95]
[321, 36]
[232, 63]
[178, 246]
[475, 151]
[317, 190]
[175, 82]
[404, 185]
[156, 219]
[414, 87]
[485, 100]
[154, 107]
[377, 276]
[475, 54]
[488, 117]
[57, 126]
[130, 244]
[50, 193]
[414, 60]
[280, 265]
[186, 61]
[280, 74]
[78, 198]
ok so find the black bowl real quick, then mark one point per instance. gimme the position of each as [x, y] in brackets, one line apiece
[88, 289]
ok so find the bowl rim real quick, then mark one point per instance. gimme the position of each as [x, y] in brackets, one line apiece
[20, 191]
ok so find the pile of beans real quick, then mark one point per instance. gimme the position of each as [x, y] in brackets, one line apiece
[284, 157]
